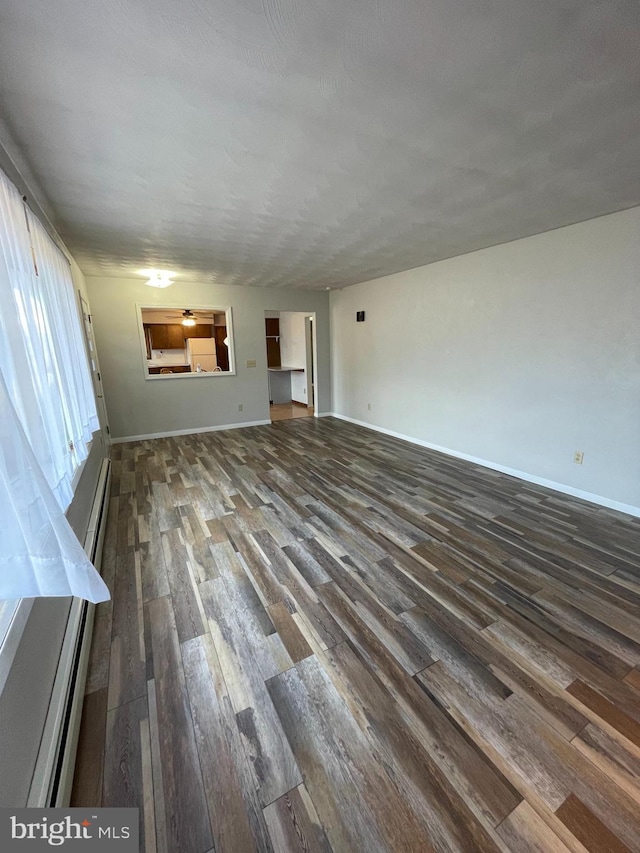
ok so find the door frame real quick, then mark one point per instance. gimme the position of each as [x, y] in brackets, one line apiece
[309, 315]
[310, 365]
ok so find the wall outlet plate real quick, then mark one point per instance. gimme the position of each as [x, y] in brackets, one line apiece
[578, 457]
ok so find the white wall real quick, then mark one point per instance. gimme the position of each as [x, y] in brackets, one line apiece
[293, 351]
[137, 406]
[517, 355]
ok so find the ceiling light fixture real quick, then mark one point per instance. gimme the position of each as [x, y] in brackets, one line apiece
[158, 278]
[189, 319]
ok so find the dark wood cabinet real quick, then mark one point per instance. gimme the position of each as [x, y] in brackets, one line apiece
[173, 335]
[272, 326]
[200, 330]
[272, 329]
[158, 335]
[175, 368]
[222, 353]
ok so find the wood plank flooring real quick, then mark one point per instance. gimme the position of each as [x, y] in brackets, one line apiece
[325, 639]
[286, 411]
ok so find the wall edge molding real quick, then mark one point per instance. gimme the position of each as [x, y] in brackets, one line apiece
[191, 431]
[599, 500]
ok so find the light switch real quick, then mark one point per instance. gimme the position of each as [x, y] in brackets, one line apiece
[251, 362]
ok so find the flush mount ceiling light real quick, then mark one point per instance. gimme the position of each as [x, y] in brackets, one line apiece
[158, 278]
[189, 319]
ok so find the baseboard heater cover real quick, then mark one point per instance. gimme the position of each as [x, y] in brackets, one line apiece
[53, 774]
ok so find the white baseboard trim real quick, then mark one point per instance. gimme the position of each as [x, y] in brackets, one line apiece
[323, 415]
[193, 431]
[512, 472]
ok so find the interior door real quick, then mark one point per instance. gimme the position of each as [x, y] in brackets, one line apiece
[221, 350]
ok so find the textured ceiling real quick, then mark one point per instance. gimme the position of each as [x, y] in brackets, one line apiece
[317, 143]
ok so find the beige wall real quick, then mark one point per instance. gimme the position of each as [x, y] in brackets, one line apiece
[517, 356]
[137, 406]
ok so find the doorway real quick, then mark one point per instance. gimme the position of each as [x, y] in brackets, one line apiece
[291, 360]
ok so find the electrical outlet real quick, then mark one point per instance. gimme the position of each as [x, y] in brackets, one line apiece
[240, 407]
[369, 406]
[578, 456]
[251, 362]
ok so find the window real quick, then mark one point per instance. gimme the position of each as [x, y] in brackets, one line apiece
[47, 407]
[178, 342]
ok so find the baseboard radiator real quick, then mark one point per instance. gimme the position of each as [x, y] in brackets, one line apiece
[53, 774]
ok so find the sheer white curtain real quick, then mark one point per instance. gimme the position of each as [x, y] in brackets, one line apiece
[39, 553]
[47, 412]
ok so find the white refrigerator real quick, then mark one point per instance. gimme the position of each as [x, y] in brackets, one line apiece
[201, 354]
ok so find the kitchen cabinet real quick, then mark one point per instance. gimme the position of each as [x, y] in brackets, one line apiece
[158, 335]
[173, 335]
[220, 334]
[200, 330]
[172, 368]
[272, 328]
[165, 336]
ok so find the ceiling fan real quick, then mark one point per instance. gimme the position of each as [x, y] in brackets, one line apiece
[188, 316]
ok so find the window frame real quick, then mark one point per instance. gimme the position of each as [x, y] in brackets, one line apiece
[220, 309]
[12, 625]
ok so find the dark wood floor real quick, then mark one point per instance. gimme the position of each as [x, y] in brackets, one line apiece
[325, 639]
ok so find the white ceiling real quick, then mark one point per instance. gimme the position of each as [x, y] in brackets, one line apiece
[317, 143]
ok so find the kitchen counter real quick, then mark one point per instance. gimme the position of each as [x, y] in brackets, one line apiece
[285, 369]
[280, 382]
[174, 368]
[171, 364]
